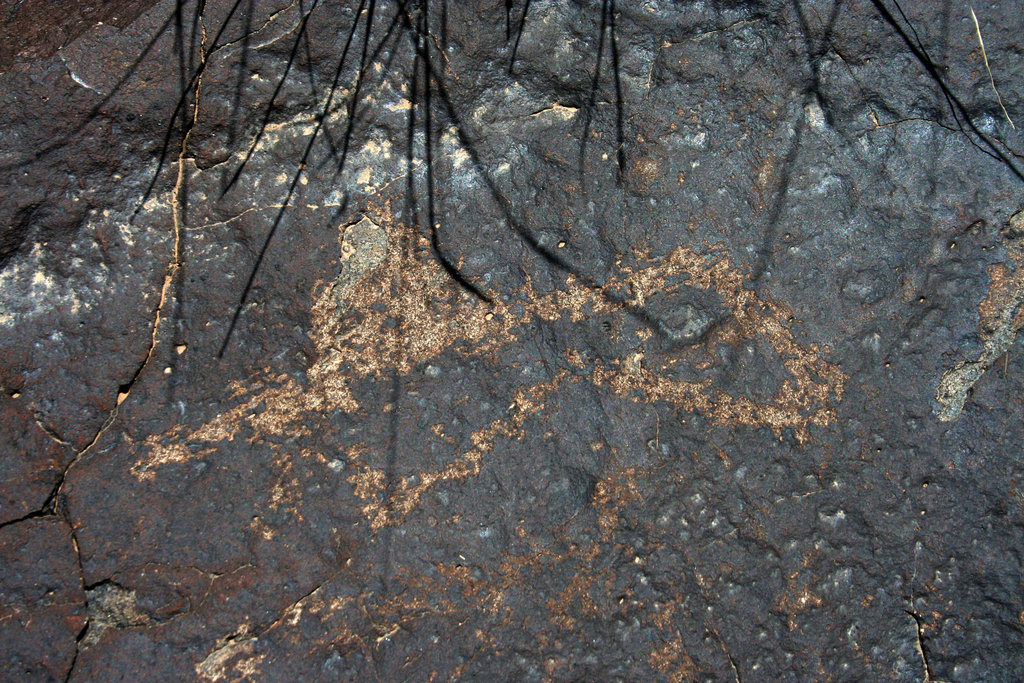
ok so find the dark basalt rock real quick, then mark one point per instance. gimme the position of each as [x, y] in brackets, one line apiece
[42, 603]
[552, 341]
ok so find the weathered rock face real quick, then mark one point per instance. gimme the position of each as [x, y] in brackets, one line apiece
[592, 340]
[42, 603]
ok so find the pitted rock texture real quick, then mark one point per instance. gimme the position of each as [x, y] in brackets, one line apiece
[530, 341]
[42, 603]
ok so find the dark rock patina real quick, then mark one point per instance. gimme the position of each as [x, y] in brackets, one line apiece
[616, 341]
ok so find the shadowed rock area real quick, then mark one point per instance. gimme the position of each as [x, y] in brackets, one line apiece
[533, 341]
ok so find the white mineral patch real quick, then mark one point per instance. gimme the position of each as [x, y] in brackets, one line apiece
[815, 116]
[27, 289]
[698, 140]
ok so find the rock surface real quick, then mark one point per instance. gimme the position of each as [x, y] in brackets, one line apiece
[529, 341]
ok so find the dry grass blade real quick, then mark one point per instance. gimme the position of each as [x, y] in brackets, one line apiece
[984, 56]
